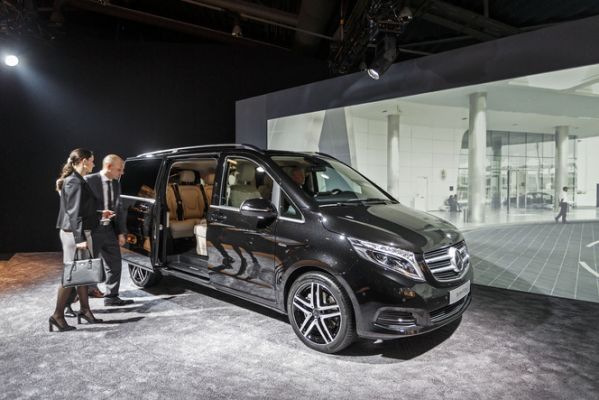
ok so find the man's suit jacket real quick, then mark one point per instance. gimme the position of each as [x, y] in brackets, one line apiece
[95, 183]
[77, 207]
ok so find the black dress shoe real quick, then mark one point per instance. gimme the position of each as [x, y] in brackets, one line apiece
[116, 301]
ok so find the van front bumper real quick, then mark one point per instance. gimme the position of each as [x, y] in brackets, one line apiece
[395, 322]
[385, 314]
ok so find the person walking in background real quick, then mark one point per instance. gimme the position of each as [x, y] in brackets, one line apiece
[110, 232]
[563, 205]
[453, 203]
[76, 220]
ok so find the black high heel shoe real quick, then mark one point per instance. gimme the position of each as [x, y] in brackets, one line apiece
[53, 323]
[68, 312]
[89, 318]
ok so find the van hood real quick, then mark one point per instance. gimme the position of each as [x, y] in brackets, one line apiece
[392, 225]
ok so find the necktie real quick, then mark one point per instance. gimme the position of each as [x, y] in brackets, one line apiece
[110, 205]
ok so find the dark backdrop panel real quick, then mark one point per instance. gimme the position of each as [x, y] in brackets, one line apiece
[121, 98]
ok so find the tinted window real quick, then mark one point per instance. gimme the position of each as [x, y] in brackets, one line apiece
[140, 178]
[245, 180]
[287, 209]
[329, 181]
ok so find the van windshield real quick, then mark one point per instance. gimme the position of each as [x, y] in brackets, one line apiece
[330, 182]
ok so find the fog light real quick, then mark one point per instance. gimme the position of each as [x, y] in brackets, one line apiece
[407, 293]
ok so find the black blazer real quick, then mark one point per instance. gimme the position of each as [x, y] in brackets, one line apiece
[95, 183]
[77, 207]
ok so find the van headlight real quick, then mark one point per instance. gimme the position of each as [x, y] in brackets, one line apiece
[392, 258]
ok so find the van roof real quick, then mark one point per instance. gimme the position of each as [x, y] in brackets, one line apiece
[190, 149]
[218, 147]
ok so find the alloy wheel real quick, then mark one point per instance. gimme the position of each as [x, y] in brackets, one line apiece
[139, 275]
[317, 313]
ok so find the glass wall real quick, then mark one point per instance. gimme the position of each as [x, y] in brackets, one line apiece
[520, 171]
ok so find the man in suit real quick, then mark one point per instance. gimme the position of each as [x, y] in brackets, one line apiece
[110, 234]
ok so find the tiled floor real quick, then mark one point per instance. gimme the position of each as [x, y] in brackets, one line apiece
[547, 258]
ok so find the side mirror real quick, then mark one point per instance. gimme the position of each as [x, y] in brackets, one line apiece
[259, 208]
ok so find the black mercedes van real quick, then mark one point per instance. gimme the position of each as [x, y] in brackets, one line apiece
[301, 233]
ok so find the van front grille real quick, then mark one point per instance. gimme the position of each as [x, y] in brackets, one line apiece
[449, 263]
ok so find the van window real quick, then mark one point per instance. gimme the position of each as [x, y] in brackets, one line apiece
[244, 179]
[329, 181]
[140, 178]
[287, 209]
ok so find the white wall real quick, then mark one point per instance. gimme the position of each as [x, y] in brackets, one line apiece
[297, 133]
[370, 149]
[587, 172]
[424, 153]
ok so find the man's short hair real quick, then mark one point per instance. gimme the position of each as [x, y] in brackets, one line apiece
[110, 159]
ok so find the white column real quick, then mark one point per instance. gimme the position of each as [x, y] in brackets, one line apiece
[561, 162]
[393, 154]
[477, 156]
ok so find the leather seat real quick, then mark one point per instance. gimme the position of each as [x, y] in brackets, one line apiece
[266, 188]
[245, 185]
[209, 186]
[179, 228]
[192, 203]
[191, 196]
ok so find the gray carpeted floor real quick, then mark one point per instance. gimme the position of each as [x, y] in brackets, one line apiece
[182, 341]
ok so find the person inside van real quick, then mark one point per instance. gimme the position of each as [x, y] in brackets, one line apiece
[298, 175]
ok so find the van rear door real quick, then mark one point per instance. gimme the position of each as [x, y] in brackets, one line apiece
[141, 204]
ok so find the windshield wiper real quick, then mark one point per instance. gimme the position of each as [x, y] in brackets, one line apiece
[354, 202]
[371, 200]
[339, 203]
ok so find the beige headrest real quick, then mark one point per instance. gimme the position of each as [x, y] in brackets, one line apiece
[187, 177]
[246, 173]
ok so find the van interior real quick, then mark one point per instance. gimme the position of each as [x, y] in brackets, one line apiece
[188, 197]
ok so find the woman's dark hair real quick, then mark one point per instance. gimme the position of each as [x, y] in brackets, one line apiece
[75, 158]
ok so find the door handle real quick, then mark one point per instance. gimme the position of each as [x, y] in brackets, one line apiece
[218, 217]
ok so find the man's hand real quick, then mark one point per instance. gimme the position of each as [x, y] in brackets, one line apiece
[82, 245]
[107, 214]
[122, 240]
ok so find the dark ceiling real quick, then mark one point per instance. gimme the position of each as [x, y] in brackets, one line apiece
[345, 33]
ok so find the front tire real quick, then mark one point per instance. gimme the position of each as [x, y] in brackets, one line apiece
[320, 313]
[142, 277]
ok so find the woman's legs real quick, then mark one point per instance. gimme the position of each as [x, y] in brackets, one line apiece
[83, 300]
[61, 302]
[85, 312]
[65, 295]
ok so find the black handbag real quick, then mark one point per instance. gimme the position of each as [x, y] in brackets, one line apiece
[83, 272]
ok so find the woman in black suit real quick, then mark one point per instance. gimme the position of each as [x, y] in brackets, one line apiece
[76, 218]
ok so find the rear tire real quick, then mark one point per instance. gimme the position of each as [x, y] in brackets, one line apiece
[320, 313]
[142, 277]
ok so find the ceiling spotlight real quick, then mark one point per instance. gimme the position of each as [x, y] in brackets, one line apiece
[11, 60]
[384, 55]
[236, 29]
[405, 15]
